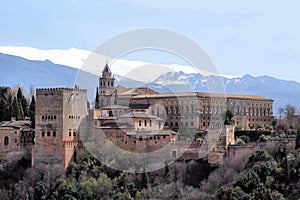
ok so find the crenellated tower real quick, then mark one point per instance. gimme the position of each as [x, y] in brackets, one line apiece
[106, 88]
[59, 119]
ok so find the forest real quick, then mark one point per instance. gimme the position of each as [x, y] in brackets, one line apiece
[271, 173]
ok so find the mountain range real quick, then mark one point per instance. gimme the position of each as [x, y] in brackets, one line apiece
[45, 73]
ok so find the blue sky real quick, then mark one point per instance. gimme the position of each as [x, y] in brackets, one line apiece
[256, 37]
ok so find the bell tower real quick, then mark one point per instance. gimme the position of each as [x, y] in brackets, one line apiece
[106, 87]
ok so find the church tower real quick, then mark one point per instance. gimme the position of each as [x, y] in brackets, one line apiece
[106, 88]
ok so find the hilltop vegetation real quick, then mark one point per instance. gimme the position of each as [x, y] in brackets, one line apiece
[271, 173]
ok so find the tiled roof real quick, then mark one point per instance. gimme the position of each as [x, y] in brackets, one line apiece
[152, 132]
[199, 94]
[14, 124]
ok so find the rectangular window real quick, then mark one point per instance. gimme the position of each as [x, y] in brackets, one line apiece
[48, 134]
[150, 122]
[70, 132]
[54, 133]
[43, 134]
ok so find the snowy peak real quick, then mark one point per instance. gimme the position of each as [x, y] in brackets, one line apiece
[76, 58]
[71, 57]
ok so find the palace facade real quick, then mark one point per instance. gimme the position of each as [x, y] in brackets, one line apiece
[187, 112]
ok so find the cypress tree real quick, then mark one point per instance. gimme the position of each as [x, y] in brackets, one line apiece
[23, 102]
[97, 103]
[17, 110]
[32, 111]
[2, 110]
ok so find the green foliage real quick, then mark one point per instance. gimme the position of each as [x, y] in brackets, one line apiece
[228, 118]
[239, 141]
[239, 127]
[17, 110]
[97, 102]
[263, 175]
[245, 138]
[229, 193]
[31, 111]
[23, 101]
[6, 97]
[259, 155]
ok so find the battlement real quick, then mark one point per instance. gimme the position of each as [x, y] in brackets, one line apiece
[59, 90]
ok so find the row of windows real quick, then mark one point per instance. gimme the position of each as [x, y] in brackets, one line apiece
[48, 117]
[72, 132]
[176, 110]
[216, 102]
[74, 117]
[149, 137]
[109, 83]
[141, 142]
[192, 102]
[145, 123]
[181, 124]
[48, 133]
[260, 120]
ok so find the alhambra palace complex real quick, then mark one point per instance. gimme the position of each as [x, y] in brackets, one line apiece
[134, 119]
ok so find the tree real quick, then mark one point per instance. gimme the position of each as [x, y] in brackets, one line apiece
[2, 110]
[228, 117]
[97, 103]
[17, 110]
[290, 111]
[284, 127]
[280, 112]
[32, 111]
[23, 101]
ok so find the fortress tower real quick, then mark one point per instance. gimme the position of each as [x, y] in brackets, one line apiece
[60, 117]
[106, 87]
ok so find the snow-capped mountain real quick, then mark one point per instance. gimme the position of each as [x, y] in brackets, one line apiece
[172, 78]
[94, 63]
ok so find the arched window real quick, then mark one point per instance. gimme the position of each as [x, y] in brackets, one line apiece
[110, 114]
[6, 140]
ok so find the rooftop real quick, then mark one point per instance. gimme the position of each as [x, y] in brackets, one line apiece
[14, 124]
